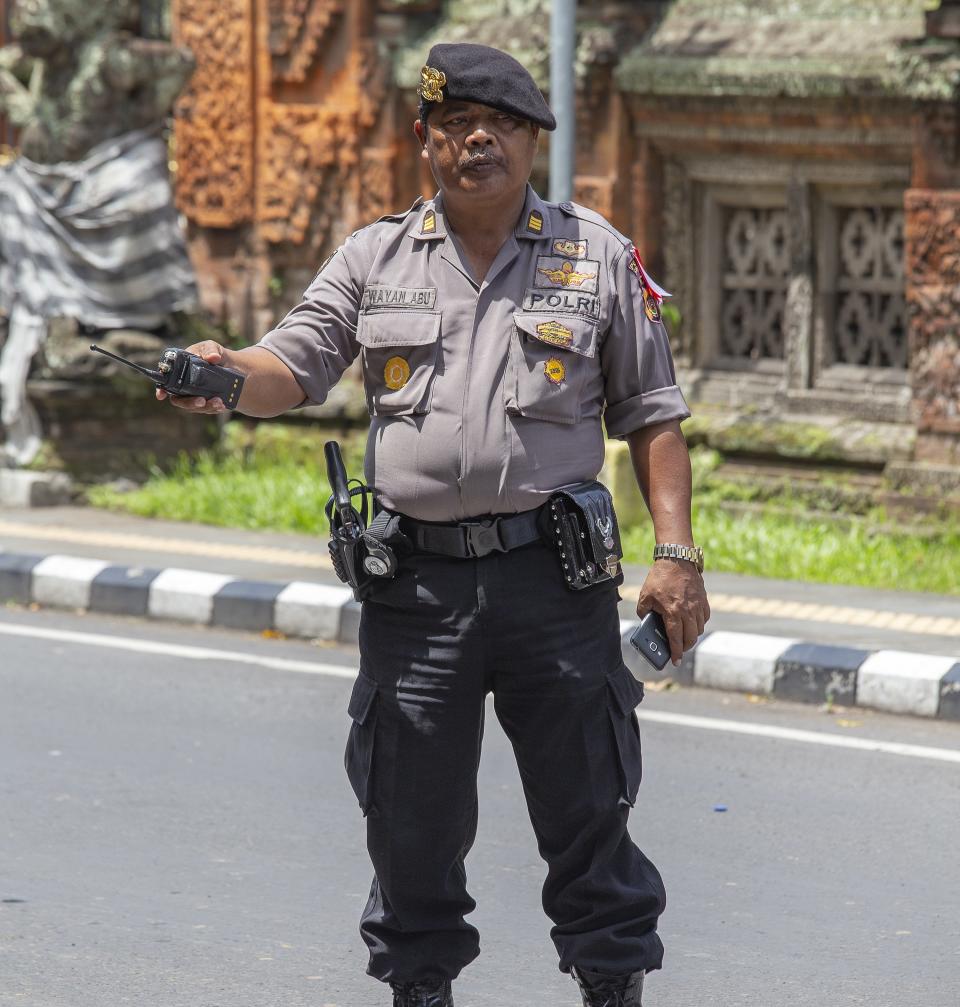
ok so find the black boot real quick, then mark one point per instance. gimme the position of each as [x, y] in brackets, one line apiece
[434, 993]
[600, 990]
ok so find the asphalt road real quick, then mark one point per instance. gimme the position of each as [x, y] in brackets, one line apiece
[176, 829]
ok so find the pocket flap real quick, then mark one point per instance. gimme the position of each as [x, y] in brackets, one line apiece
[398, 328]
[625, 689]
[362, 697]
[559, 331]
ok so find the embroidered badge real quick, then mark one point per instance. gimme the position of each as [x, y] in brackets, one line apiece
[429, 225]
[431, 83]
[653, 295]
[535, 221]
[571, 249]
[650, 306]
[377, 296]
[557, 272]
[396, 374]
[554, 332]
[566, 302]
[554, 371]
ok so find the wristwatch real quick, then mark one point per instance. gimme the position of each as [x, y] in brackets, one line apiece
[691, 553]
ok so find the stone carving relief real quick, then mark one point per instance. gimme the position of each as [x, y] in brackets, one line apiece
[298, 32]
[216, 114]
[311, 151]
[80, 74]
[869, 326]
[756, 264]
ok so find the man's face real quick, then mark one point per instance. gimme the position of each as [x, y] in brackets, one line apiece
[477, 150]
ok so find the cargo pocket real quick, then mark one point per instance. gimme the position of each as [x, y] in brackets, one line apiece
[359, 755]
[549, 363]
[401, 354]
[624, 693]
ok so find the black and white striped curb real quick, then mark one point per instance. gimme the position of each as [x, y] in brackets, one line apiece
[890, 680]
[299, 608]
[895, 681]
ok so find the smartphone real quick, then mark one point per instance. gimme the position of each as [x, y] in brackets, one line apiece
[650, 639]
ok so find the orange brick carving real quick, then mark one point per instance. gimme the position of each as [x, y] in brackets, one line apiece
[215, 125]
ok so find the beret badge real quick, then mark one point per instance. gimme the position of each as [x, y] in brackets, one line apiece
[431, 82]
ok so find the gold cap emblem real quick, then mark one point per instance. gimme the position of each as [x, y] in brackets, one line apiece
[431, 84]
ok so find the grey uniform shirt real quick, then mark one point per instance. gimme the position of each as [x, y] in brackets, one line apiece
[485, 398]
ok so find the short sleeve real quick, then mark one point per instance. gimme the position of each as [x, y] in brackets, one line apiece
[318, 339]
[640, 384]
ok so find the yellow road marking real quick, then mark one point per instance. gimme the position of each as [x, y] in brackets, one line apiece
[172, 546]
[907, 622]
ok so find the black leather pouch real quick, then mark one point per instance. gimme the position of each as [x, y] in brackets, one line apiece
[580, 523]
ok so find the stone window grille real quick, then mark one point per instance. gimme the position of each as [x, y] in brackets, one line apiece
[863, 318]
[755, 268]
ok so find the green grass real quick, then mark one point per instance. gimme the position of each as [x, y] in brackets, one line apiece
[273, 479]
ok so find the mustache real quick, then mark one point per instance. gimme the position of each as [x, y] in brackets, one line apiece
[484, 157]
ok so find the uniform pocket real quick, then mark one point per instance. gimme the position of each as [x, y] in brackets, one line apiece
[358, 758]
[624, 693]
[549, 363]
[401, 355]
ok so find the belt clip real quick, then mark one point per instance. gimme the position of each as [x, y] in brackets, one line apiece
[483, 538]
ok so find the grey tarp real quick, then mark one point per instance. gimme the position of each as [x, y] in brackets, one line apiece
[97, 240]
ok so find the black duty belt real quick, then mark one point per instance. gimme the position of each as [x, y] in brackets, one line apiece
[473, 539]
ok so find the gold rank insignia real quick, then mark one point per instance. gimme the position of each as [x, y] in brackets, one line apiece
[571, 249]
[554, 332]
[554, 371]
[429, 222]
[396, 373]
[431, 84]
[535, 221]
[566, 275]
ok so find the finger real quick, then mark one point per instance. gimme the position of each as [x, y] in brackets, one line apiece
[209, 349]
[690, 633]
[187, 403]
[674, 627]
[162, 394]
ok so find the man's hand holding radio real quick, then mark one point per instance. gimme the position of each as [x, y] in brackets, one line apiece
[270, 387]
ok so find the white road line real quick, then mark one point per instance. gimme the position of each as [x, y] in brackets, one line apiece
[807, 737]
[178, 650]
[347, 671]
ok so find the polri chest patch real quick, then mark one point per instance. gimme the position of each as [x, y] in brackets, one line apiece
[564, 302]
[559, 272]
[382, 296]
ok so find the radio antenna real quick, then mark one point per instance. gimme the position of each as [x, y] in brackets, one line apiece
[152, 375]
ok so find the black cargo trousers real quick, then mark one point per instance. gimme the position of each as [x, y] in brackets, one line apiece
[433, 642]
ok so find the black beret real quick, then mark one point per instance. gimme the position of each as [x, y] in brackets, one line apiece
[468, 72]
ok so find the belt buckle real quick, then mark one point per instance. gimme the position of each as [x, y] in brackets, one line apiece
[483, 538]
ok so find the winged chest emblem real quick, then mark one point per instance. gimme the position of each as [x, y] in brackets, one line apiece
[566, 275]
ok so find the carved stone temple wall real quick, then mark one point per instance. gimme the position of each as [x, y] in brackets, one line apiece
[285, 141]
[790, 172]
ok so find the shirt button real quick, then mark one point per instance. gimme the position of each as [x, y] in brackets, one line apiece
[566, 206]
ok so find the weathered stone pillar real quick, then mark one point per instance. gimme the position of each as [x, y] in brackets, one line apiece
[798, 309]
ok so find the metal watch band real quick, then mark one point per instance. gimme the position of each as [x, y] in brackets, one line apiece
[691, 553]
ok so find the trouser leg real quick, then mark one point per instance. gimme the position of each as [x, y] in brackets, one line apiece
[566, 700]
[413, 756]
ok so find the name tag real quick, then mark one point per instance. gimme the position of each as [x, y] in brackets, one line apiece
[565, 301]
[399, 297]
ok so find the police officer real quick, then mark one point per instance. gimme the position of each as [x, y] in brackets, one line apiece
[496, 331]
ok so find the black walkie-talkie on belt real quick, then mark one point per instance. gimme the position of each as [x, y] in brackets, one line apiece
[359, 553]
